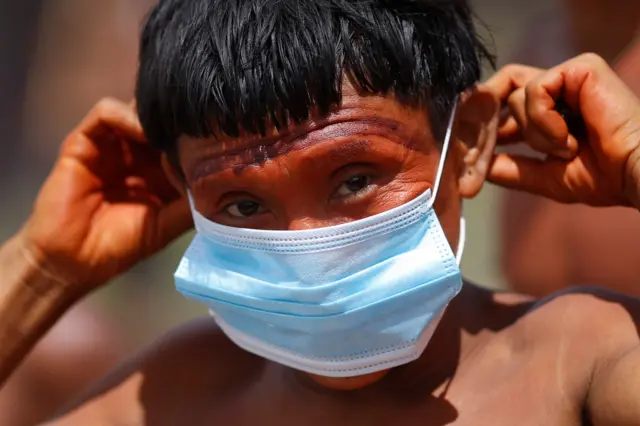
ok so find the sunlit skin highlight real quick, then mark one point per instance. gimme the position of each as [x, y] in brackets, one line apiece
[493, 359]
[371, 155]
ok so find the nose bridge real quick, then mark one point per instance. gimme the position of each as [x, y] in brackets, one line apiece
[306, 222]
[302, 208]
[303, 205]
[307, 209]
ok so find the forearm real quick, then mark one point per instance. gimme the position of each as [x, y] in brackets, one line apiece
[31, 301]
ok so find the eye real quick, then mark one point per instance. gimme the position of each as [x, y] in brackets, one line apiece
[353, 185]
[244, 209]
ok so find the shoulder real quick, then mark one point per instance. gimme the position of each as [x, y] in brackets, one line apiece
[194, 360]
[584, 326]
[200, 341]
[603, 322]
[591, 339]
[580, 301]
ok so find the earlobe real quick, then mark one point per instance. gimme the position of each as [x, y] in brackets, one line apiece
[174, 177]
[476, 131]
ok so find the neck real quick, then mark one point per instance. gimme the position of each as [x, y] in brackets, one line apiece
[349, 383]
[438, 362]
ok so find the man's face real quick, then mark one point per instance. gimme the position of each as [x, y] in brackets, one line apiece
[370, 156]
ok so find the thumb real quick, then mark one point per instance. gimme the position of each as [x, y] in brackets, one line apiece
[539, 177]
[174, 220]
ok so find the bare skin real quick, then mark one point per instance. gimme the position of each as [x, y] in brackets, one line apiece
[89, 224]
[519, 362]
[495, 359]
[582, 245]
[82, 347]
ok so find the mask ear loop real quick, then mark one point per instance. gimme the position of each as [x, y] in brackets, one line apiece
[443, 157]
[445, 147]
[462, 238]
[197, 217]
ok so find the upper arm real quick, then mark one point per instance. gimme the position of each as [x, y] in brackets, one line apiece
[111, 400]
[164, 379]
[613, 397]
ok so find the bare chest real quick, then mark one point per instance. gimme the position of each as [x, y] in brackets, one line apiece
[523, 397]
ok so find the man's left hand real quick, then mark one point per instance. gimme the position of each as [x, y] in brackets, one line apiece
[601, 170]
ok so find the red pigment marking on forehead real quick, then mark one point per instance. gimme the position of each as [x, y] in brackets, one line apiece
[256, 152]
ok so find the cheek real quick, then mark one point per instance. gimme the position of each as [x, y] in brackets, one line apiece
[450, 180]
[448, 204]
[418, 175]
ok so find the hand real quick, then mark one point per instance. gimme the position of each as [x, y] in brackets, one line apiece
[603, 169]
[107, 204]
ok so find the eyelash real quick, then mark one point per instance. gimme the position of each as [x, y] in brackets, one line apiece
[354, 196]
[235, 199]
[344, 198]
[340, 177]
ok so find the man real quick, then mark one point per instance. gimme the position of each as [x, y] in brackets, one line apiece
[357, 147]
[582, 244]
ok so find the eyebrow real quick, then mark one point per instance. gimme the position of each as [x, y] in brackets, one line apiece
[259, 151]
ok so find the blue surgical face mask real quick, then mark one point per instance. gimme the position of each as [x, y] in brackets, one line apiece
[340, 301]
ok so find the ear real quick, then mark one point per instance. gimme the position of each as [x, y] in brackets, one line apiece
[173, 175]
[476, 130]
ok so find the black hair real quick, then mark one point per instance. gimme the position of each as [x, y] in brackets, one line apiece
[211, 67]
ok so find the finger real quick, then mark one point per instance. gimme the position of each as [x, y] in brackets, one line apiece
[520, 106]
[110, 115]
[517, 105]
[103, 139]
[590, 86]
[539, 177]
[510, 78]
[512, 130]
[174, 220]
[509, 132]
[541, 95]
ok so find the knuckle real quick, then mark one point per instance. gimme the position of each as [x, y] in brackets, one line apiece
[108, 106]
[517, 99]
[513, 69]
[521, 73]
[531, 88]
[592, 59]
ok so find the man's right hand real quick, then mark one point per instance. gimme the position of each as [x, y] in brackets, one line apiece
[603, 169]
[106, 205]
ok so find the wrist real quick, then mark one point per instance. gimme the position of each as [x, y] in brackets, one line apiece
[24, 269]
[31, 301]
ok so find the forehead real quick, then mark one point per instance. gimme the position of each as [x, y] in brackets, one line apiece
[358, 116]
